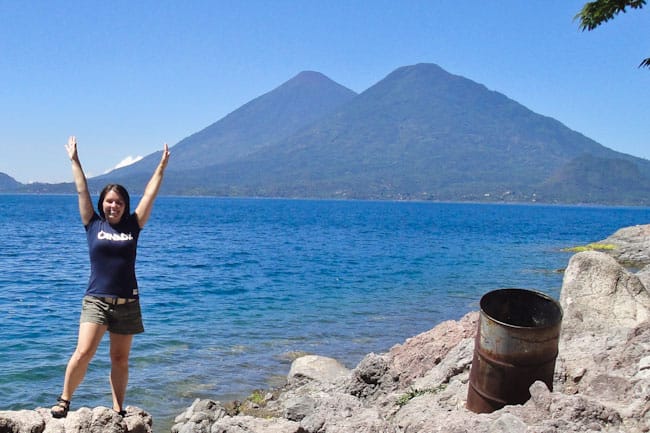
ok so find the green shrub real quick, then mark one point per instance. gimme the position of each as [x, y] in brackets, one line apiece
[412, 393]
[591, 247]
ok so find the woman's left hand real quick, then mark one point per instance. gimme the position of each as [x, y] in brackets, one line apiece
[165, 157]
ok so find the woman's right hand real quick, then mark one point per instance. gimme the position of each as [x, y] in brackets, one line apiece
[71, 147]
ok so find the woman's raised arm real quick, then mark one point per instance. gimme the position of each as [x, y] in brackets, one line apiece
[143, 211]
[86, 210]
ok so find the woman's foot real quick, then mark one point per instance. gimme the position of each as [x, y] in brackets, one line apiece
[61, 408]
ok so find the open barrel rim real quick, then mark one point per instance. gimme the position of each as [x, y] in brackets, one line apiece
[489, 313]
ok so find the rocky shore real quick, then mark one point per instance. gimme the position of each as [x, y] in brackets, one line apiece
[601, 381]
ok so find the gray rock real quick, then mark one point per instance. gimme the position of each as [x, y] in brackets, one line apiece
[371, 369]
[340, 413]
[644, 275]
[21, 421]
[249, 424]
[318, 368]
[298, 407]
[508, 423]
[199, 417]
[632, 245]
[421, 353]
[369, 375]
[599, 294]
[83, 420]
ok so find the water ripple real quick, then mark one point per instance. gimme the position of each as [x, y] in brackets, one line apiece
[230, 286]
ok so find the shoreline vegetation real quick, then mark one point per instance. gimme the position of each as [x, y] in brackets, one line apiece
[595, 246]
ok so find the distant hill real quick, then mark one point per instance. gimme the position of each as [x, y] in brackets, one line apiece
[8, 183]
[262, 122]
[599, 180]
[420, 133]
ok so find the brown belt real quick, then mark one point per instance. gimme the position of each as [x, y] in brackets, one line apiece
[117, 301]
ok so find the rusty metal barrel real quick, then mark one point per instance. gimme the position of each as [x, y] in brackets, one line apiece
[516, 345]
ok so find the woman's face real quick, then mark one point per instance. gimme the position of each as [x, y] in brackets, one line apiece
[113, 206]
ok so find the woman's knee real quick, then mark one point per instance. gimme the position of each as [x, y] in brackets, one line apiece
[120, 349]
[119, 358]
[90, 335]
[83, 355]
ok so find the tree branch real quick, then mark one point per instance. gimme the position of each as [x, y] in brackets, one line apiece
[597, 12]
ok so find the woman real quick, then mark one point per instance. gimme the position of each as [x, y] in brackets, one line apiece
[111, 300]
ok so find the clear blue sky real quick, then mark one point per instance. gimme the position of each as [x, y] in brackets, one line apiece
[127, 76]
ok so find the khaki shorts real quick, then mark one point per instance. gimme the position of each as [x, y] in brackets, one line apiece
[120, 319]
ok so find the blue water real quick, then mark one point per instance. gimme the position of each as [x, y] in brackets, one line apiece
[232, 287]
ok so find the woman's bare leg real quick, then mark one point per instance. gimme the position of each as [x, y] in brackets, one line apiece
[90, 335]
[120, 349]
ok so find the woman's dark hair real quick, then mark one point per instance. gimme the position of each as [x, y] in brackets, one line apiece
[122, 192]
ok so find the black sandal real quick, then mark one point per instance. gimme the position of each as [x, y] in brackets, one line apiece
[63, 407]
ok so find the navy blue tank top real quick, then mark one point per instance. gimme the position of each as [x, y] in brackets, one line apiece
[112, 257]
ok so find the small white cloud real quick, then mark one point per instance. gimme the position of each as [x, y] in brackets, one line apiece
[125, 162]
